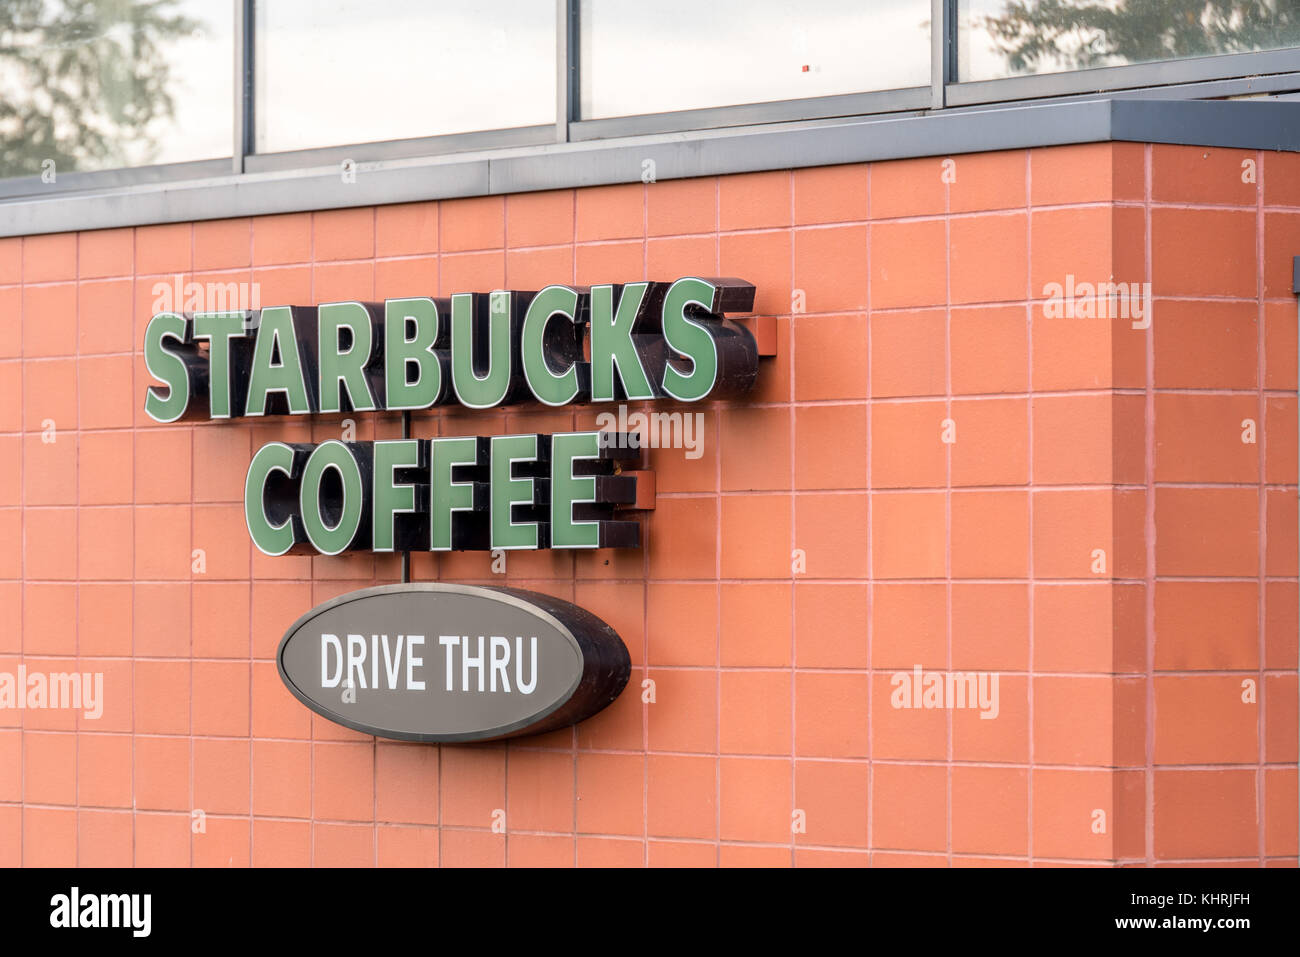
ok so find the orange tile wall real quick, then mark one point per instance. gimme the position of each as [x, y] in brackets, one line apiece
[902, 300]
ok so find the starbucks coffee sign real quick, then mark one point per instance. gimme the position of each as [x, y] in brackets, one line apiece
[442, 662]
[642, 341]
[452, 663]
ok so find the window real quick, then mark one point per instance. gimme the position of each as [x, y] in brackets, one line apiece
[94, 86]
[639, 57]
[335, 72]
[138, 93]
[1001, 38]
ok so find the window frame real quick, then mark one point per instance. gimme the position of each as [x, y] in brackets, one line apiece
[1235, 74]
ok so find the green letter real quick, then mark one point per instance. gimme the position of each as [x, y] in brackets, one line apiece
[400, 353]
[612, 345]
[549, 387]
[167, 366]
[219, 328]
[277, 330]
[508, 491]
[348, 367]
[492, 388]
[449, 496]
[348, 513]
[269, 537]
[691, 339]
[390, 496]
[567, 488]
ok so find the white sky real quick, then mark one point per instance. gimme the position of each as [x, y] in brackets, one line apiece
[342, 71]
[203, 77]
[645, 56]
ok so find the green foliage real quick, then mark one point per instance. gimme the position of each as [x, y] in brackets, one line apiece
[82, 80]
[1036, 35]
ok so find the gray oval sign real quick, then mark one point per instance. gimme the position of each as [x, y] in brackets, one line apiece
[437, 662]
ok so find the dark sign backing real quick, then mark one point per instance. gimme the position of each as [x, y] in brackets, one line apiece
[436, 662]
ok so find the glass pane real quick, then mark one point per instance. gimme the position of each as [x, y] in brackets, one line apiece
[998, 38]
[111, 83]
[333, 72]
[654, 57]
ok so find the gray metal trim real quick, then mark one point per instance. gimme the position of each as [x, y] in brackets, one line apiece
[1254, 124]
[243, 85]
[749, 114]
[1104, 79]
[424, 146]
[1266, 125]
[942, 25]
[1246, 86]
[1249, 124]
[566, 49]
[111, 178]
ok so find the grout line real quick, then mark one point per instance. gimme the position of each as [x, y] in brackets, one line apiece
[717, 571]
[1030, 571]
[1151, 571]
[135, 828]
[1261, 456]
[440, 790]
[792, 541]
[871, 553]
[252, 687]
[22, 554]
[189, 506]
[947, 499]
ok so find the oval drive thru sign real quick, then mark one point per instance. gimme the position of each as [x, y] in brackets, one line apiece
[435, 662]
